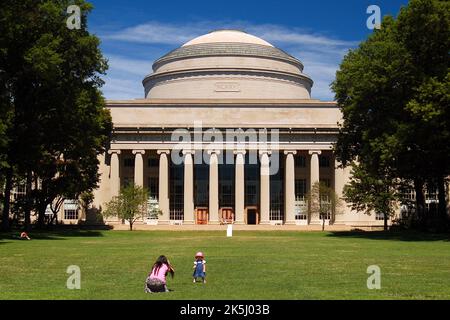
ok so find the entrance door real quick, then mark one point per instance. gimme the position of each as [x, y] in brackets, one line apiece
[227, 215]
[202, 216]
[252, 215]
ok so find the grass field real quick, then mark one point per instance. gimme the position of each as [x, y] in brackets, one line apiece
[250, 265]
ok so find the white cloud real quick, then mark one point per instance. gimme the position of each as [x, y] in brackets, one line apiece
[155, 32]
[294, 36]
[135, 67]
[122, 89]
[319, 53]
[176, 34]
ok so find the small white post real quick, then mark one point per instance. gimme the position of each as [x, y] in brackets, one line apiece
[229, 230]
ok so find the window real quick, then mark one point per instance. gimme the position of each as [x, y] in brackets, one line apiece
[326, 182]
[276, 211]
[300, 162]
[201, 185]
[325, 212]
[153, 187]
[126, 181]
[128, 162]
[153, 162]
[408, 201]
[300, 189]
[71, 210]
[431, 201]
[226, 194]
[379, 216]
[176, 191]
[19, 191]
[70, 214]
[251, 195]
[301, 207]
[408, 195]
[325, 197]
[324, 161]
[226, 185]
[326, 206]
[431, 194]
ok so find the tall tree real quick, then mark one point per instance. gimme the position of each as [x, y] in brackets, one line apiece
[395, 119]
[59, 123]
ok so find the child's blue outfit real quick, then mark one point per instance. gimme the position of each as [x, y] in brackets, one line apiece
[198, 271]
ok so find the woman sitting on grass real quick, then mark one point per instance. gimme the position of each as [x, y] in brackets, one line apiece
[156, 280]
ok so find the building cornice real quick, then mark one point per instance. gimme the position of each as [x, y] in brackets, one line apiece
[251, 72]
[212, 103]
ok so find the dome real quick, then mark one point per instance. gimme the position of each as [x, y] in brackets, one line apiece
[228, 36]
[227, 64]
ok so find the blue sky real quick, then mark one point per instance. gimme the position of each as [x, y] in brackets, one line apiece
[319, 33]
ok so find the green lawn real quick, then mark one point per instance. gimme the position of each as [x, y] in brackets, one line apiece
[251, 265]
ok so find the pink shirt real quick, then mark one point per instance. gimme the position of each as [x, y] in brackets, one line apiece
[161, 274]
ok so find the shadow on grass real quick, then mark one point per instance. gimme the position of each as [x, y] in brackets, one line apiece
[392, 235]
[51, 234]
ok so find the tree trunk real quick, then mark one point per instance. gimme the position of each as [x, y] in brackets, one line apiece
[442, 206]
[7, 201]
[41, 215]
[27, 211]
[420, 202]
[131, 225]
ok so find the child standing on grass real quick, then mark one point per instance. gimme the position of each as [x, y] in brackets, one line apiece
[199, 267]
[156, 280]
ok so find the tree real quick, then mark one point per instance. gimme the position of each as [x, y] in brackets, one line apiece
[372, 194]
[86, 200]
[153, 209]
[57, 123]
[323, 202]
[130, 205]
[393, 94]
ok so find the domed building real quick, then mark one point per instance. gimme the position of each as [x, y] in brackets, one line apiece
[227, 64]
[227, 133]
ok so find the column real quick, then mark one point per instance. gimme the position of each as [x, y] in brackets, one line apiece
[115, 175]
[289, 187]
[213, 187]
[188, 187]
[239, 185]
[163, 197]
[265, 187]
[314, 178]
[139, 167]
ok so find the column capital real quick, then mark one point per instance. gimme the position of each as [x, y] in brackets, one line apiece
[116, 151]
[311, 152]
[262, 152]
[138, 151]
[188, 151]
[165, 151]
[240, 151]
[214, 151]
[286, 152]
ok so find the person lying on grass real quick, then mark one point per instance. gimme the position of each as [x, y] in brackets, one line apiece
[156, 279]
[24, 235]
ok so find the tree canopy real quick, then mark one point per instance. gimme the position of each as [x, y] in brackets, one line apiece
[56, 123]
[394, 94]
[130, 205]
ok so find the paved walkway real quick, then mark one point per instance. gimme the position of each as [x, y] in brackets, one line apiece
[235, 227]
